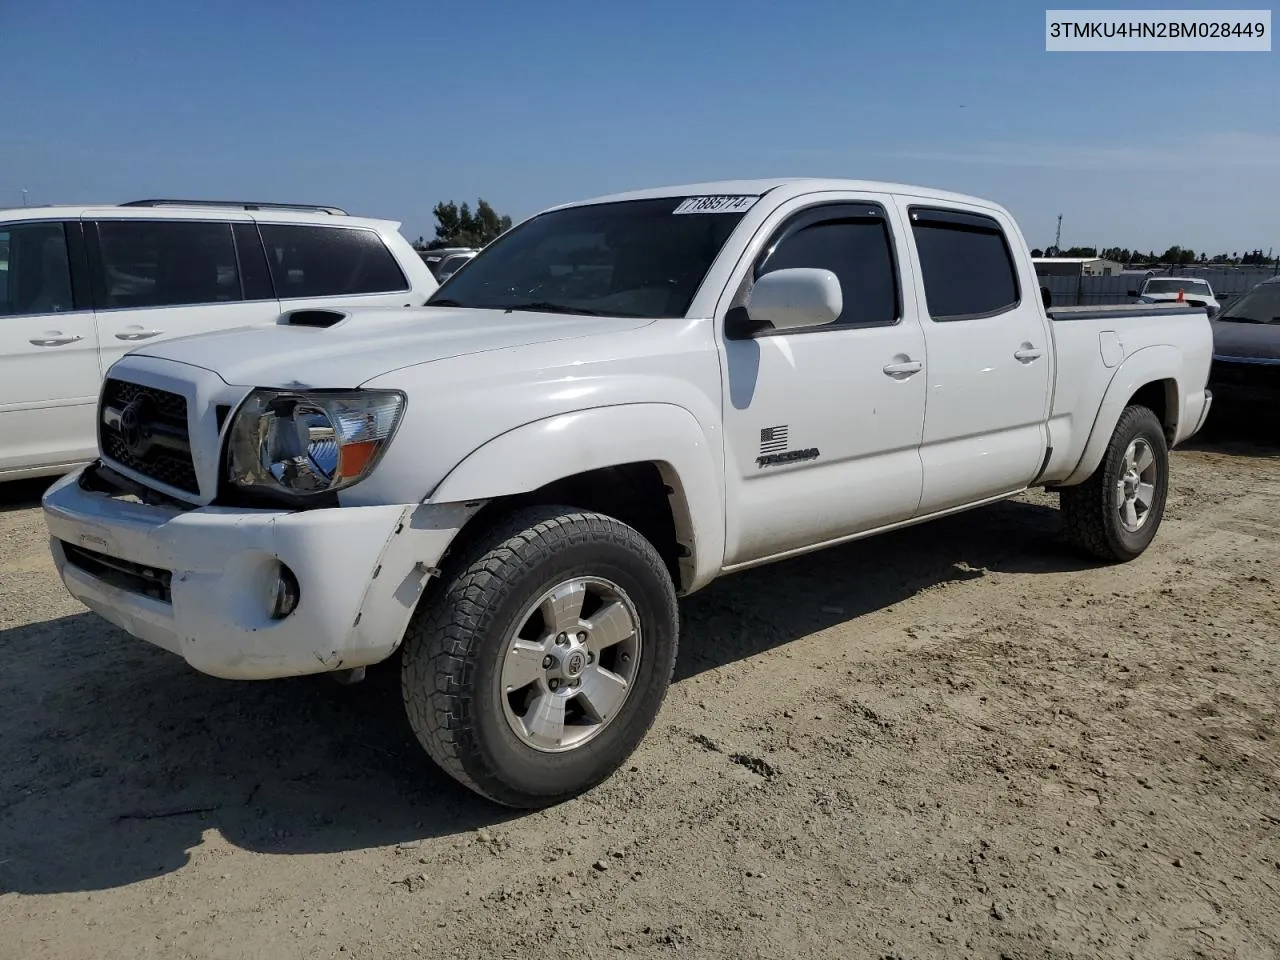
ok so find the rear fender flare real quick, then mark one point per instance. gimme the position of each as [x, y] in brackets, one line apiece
[1148, 365]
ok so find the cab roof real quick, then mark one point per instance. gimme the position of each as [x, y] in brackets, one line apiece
[786, 187]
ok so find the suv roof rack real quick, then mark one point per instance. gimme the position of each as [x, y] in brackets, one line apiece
[242, 204]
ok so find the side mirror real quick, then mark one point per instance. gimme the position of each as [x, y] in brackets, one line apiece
[1133, 293]
[795, 298]
[1046, 297]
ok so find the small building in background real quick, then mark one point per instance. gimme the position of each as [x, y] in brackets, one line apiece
[1076, 267]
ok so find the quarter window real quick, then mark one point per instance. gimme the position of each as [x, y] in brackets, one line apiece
[35, 272]
[856, 247]
[312, 261]
[968, 269]
[167, 263]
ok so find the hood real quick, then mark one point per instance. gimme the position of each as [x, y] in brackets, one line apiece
[1251, 341]
[367, 343]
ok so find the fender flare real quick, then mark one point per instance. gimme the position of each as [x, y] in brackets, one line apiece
[534, 454]
[1148, 365]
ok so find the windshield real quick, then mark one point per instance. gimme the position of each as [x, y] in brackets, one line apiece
[632, 258]
[1259, 305]
[1173, 286]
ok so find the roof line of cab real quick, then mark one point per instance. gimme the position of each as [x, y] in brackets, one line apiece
[789, 186]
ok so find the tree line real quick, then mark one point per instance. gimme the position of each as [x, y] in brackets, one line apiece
[460, 226]
[1183, 256]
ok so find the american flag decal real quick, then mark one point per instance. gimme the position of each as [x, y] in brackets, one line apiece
[773, 440]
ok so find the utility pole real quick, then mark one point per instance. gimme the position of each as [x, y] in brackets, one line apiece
[1057, 237]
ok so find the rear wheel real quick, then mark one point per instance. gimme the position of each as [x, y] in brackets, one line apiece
[545, 660]
[1114, 515]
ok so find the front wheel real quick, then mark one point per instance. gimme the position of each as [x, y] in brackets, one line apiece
[1114, 515]
[542, 664]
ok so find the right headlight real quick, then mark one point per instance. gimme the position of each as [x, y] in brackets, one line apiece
[304, 444]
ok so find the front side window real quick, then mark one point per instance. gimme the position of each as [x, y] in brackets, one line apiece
[967, 266]
[167, 263]
[314, 261]
[630, 258]
[854, 245]
[35, 271]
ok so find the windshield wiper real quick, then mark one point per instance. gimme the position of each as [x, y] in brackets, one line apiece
[1239, 318]
[544, 306]
[442, 302]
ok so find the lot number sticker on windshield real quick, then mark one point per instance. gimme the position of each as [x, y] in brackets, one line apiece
[715, 205]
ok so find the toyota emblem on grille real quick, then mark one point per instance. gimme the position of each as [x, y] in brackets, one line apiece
[131, 428]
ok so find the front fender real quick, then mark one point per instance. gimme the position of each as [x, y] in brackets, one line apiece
[537, 453]
[1148, 365]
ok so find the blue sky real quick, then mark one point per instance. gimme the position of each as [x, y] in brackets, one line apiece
[385, 107]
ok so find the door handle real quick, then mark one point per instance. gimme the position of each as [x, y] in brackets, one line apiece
[53, 341]
[903, 369]
[138, 334]
[1027, 353]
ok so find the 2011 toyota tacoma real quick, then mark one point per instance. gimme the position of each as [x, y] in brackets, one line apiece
[615, 403]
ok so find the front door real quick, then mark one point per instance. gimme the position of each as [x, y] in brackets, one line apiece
[823, 425]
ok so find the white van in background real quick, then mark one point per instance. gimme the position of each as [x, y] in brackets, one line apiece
[81, 286]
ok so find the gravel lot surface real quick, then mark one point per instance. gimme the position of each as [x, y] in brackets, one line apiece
[958, 740]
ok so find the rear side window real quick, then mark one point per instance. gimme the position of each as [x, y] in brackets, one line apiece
[35, 271]
[313, 261]
[166, 263]
[853, 243]
[968, 269]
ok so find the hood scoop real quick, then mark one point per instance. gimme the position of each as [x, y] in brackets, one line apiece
[313, 318]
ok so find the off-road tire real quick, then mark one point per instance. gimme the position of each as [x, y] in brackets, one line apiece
[453, 647]
[1090, 510]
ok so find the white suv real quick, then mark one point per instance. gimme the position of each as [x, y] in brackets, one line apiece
[81, 286]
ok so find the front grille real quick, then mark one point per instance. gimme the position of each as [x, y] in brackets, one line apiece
[125, 574]
[145, 429]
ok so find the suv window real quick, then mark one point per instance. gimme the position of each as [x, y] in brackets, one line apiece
[966, 262]
[852, 242]
[314, 261]
[167, 263]
[35, 272]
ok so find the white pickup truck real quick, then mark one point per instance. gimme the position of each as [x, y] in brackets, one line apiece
[615, 403]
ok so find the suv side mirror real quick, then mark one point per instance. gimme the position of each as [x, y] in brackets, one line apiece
[795, 298]
[1133, 293]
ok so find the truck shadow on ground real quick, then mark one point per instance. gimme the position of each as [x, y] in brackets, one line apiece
[119, 758]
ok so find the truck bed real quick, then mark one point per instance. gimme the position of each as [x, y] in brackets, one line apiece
[1097, 352]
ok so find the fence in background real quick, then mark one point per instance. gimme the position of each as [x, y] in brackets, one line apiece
[1228, 283]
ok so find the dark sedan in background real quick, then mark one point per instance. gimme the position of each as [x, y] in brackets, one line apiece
[1246, 350]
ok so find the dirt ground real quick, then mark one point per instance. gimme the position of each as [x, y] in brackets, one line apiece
[956, 741]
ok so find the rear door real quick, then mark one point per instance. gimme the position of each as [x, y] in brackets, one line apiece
[158, 278]
[48, 347]
[990, 355]
[315, 265]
